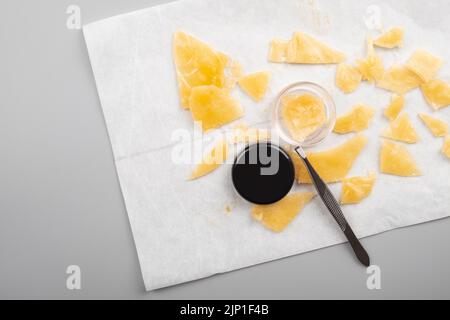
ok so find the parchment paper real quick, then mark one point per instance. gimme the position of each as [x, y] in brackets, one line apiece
[181, 229]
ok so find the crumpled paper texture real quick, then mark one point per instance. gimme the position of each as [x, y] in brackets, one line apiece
[181, 229]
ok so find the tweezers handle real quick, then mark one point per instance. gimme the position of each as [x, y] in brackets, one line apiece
[335, 209]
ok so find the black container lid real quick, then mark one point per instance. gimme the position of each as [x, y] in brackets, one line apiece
[263, 173]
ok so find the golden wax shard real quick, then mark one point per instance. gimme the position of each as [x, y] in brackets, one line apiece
[446, 147]
[303, 49]
[395, 159]
[213, 107]
[255, 84]
[332, 165]
[399, 79]
[372, 68]
[244, 134]
[437, 127]
[395, 107]
[355, 189]
[391, 39]
[196, 64]
[302, 114]
[277, 50]
[277, 216]
[401, 129]
[424, 64]
[348, 78]
[211, 160]
[356, 120]
[437, 93]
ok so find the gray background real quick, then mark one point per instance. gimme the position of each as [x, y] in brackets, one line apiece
[60, 201]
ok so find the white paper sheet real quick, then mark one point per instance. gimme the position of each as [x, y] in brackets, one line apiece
[181, 229]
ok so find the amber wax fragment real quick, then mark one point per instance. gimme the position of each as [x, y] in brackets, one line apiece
[356, 120]
[213, 107]
[395, 159]
[212, 160]
[446, 147]
[391, 39]
[437, 127]
[303, 49]
[437, 93]
[394, 108]
[401, 129]
[332, 165]
[424, 64]
[371, 68]
[277, 216]
[348, 78]
[255, 84]
[302, 114]
[355, 189]
[196, 64]
[399, 79]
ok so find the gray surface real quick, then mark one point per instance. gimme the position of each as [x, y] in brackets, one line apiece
[60, 201]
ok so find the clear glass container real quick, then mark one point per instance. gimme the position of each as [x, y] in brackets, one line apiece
[322, 131]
